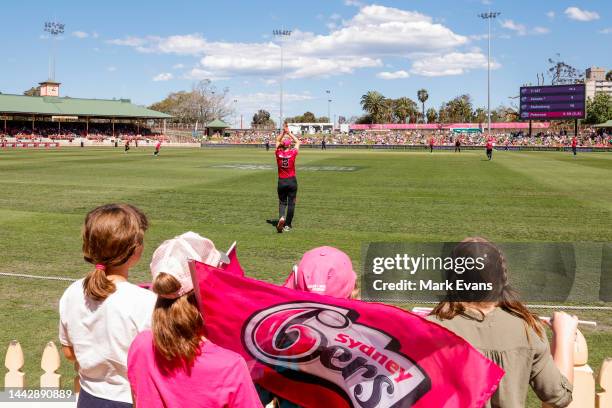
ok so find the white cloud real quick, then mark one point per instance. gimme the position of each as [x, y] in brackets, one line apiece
[393, 75]
[455, 63]
[520, 29]
[354, 3]
[372, 34]
[95, 35]
[577, 14]
[550, 14]
[191, 44]
[540, 30]
[178, 66]
[111, 69]
[606, 31]
[478, 37]
[80, 34]
[199, 74]
[164, 76]
[128, 41]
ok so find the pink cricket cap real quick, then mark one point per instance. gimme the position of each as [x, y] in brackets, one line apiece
[172, 255]
[287, 142]
[324, 270]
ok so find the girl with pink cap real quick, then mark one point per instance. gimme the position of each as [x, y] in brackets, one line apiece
[174, 365]
[324, 270]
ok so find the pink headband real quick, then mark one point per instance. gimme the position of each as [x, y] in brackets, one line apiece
[100, 267]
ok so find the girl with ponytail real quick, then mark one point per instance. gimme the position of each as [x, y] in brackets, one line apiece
[498, 324]
[101, 314]
[174, 365]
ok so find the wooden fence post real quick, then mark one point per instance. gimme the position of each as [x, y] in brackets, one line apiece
[13, 361]
[583, 395]
[604, 398]
[50, 362]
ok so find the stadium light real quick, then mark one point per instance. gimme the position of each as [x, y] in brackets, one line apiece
[328, 104]
[235, 114]
[489, 16]
[281, 35]
[54, 29]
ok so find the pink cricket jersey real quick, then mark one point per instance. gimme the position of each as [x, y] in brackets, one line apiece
[285, 160]
[218, 378]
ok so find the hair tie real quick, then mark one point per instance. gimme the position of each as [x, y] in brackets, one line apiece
[101, 267]
[170, 296]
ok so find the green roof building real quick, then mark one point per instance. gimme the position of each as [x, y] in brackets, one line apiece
[52, 108]
[93, 108]
[215, 126]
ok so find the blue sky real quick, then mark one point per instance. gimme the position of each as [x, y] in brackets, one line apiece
[145, 50]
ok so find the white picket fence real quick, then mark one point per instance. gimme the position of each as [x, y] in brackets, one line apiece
[584, 393]
[15, 378]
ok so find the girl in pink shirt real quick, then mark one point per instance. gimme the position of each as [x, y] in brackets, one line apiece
[174, 365]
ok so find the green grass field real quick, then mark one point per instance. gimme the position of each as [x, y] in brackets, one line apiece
[392, 196]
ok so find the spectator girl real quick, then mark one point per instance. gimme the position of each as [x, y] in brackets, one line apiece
[506, 332]
[101, 314]
[324, 270]
[174, 365]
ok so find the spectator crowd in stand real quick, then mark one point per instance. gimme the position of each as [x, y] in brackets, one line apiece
[587, 137]
[52, 131]
[25, 131]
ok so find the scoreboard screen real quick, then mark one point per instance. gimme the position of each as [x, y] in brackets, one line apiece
[553, 102]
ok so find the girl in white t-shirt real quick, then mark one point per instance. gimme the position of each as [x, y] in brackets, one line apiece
[101, 314]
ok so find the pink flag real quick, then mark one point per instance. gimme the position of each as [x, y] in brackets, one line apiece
[233, 266]
[319, 351]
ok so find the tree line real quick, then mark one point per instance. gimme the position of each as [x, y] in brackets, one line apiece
[202, 104]
[380, 109]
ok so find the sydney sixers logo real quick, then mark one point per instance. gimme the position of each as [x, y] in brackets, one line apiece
[327, 342]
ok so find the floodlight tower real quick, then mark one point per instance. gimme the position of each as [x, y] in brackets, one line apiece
[281, 35]
[54, 29]
[489, 16]
[328, 92]
[235, 113]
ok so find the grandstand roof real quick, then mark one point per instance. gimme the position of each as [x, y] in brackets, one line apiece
[52, 105]
[217, 123]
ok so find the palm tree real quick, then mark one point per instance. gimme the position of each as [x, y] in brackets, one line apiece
[404, 107]
[480, 115]
[374, 104]
[423, 96]
[609, 75]
[432, 115]
[388, 113]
